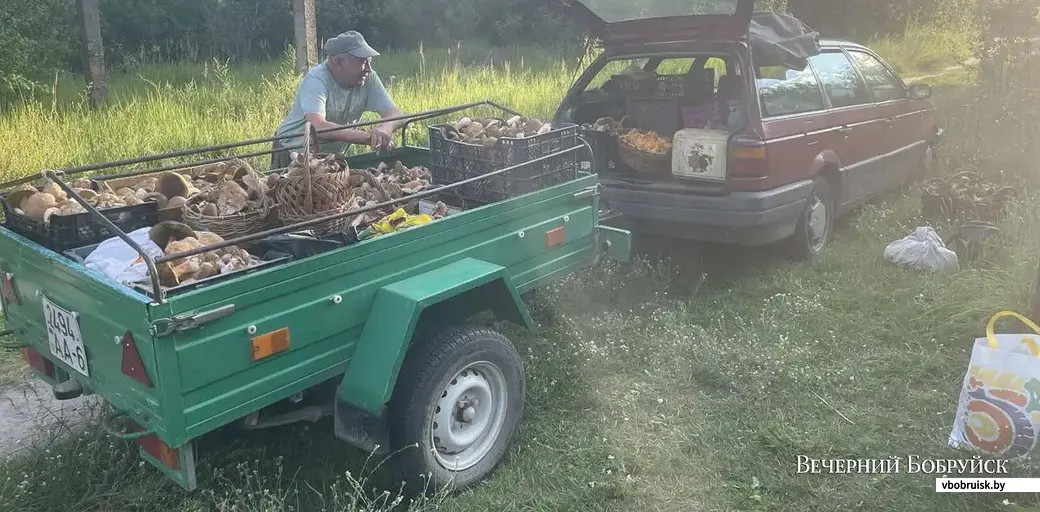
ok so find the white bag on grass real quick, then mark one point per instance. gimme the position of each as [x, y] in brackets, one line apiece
[922, 250]
[998, 413]
[117, 260]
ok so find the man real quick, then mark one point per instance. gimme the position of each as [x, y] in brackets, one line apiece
[336, 93]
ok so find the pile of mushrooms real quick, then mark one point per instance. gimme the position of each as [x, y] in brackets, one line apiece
[43, 203]
[371, 186]
[488, 130]
[176, 237]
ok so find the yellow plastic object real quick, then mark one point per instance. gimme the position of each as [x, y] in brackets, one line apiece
[395, 222]
[1030, 342]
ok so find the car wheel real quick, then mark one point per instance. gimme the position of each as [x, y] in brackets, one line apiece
[456, 409]
[813, 232]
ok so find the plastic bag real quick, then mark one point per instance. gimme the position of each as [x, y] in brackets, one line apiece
[922, 250]
[117, 260]
[1000, 394]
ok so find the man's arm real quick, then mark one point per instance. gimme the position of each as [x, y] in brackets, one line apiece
[381, 102]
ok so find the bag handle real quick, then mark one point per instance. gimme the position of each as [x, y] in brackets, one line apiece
[1033, 347]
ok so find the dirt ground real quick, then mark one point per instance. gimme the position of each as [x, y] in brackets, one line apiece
[31, 417]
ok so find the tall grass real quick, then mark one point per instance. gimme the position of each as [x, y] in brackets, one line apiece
[162, 107]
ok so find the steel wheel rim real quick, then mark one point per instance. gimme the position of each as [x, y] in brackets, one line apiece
[468, 416]
[817, 223]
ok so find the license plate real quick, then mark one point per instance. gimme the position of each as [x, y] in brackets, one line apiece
[65, 337]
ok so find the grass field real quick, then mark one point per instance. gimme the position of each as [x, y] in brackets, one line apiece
[650, 389]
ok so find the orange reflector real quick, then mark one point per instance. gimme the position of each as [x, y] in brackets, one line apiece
[271, 343]
[748, 153]
[37, 361]
[555, 237]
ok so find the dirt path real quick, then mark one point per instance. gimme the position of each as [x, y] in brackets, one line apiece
[30, 416]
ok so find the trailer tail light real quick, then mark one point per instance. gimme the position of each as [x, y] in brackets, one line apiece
[555, 237]
[7, 288]
[133, 366]
[169, 457]
[38, 362]
[748, 160]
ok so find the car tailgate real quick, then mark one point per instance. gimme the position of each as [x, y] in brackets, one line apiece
[111, 322]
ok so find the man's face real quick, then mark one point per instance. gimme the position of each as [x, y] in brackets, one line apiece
[350, 71]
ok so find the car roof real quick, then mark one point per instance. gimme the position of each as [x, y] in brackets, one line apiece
[841, 42]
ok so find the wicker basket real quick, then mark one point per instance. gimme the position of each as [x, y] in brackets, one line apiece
[306, 197]
[642, 161]
[229, 226]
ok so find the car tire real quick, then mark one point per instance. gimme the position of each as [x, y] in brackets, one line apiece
[462, 392]
[813, 231]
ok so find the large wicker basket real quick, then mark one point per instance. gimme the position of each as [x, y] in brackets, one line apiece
[305, 196]
[235, 225]
[643, 161]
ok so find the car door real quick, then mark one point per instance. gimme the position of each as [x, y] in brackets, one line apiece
[903, 145]
[854, 127]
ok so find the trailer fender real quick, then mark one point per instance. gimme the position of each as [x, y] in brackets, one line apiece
[419, 306]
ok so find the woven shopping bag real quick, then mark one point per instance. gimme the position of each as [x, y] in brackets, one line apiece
[998, 413]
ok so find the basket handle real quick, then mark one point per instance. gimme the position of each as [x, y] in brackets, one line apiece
[307, 128]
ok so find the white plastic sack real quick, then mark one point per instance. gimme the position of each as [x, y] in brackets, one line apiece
[922, 250]
[998, 413]
[117, 260]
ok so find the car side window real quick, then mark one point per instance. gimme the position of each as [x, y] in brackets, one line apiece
[783, 91]
[882, 82]
[840, 81]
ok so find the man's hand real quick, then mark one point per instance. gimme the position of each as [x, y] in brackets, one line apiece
[382, 138]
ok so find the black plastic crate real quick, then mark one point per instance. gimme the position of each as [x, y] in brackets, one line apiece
[452, 161]
[663, 86]
[499, 187]
[82, 229]
[604, 150]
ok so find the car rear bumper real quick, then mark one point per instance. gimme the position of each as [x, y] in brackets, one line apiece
[744, 218]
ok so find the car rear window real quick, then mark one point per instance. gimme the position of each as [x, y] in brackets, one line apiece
[614, 11]
[783, 91]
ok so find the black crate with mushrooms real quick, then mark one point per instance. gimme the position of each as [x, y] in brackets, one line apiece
[176, 237]
[49, 200]
[487, 131]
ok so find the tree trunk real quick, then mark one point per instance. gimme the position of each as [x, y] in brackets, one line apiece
[93, 51]
[304, 22]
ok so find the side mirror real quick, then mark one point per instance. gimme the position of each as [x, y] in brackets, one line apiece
[920, 91]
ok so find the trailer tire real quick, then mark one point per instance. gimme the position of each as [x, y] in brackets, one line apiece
[479, 376]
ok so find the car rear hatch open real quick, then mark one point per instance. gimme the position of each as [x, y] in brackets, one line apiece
[634, 22]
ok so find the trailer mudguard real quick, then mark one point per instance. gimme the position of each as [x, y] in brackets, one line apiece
[417, 307]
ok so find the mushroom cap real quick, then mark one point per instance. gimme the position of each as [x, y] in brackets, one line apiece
[168, 231]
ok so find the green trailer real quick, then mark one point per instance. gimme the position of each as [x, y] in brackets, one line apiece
[380, 331]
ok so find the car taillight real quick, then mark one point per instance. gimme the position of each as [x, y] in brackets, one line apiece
[748, 161]
[7, 288]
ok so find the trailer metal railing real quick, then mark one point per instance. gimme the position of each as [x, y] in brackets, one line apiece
[158, 294]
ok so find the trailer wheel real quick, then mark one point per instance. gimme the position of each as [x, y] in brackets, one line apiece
[456, 409]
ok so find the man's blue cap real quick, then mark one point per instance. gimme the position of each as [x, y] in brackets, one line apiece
[351, 42]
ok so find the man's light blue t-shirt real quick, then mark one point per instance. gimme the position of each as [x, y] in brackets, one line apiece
[319, 93]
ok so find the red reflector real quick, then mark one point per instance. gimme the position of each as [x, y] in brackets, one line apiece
[37, 361]
[555, 237]
[133, 367]
[152, 445]
[7, 288]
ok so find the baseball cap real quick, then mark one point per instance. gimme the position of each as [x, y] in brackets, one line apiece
[351, 42]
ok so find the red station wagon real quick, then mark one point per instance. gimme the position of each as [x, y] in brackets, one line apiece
[774, 131]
